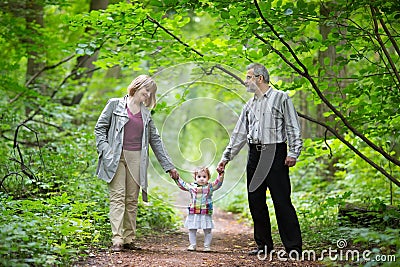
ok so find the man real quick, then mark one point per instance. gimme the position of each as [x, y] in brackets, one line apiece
[269, 125]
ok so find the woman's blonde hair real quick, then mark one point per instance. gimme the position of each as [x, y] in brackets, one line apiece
[201, 169]
[144, 81]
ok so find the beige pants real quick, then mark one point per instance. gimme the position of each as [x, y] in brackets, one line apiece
[124, 191]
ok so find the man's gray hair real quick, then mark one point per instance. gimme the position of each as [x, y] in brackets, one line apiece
[259, 69]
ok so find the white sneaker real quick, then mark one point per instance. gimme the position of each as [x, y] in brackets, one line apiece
[192, 248]
[207, 249]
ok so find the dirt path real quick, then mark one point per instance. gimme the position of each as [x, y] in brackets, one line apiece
[231, 243]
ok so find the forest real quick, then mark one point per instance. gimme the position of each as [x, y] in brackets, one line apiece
[61, 60]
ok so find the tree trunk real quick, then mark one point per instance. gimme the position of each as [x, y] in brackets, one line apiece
[327, 75]
[33, 17]
[324, 72]
[85, 62]
[306, 128]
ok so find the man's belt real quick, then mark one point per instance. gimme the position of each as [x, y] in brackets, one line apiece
[258, 147]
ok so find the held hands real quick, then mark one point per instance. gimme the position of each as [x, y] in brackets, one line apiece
[173, 173]
[290, 162]
[221, 167]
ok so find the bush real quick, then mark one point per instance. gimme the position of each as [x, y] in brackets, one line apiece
[53, 231]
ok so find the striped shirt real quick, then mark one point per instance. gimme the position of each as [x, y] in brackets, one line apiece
[200, 195]
[269, 119]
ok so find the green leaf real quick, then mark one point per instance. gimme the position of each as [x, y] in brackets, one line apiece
[288, 12]
[225, 15]
[80, 51]
[327, 61]
[328, 113]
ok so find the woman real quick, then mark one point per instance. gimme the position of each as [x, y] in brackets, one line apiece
[123, 133]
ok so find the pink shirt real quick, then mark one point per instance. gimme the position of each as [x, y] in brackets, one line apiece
[133, 132]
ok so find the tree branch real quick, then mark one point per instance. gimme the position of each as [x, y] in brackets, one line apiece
[218, 66]
[5, 177]
[354, 149]
[48, 68]
[38, 73]
[390, 36]
[382, 45]
[174, 36]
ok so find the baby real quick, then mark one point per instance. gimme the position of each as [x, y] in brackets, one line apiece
[201, 206]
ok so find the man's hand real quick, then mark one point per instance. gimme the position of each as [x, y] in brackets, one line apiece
[290, 162]
[173, 173]
[221, 166]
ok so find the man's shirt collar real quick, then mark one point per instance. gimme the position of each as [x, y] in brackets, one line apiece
[267, 94]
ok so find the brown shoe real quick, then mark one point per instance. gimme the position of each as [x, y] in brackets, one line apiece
[131, 246]
[116, 248]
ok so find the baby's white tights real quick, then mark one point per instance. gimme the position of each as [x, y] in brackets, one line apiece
[207, 237]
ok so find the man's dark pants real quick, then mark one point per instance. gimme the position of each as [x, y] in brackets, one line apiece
[278, 182]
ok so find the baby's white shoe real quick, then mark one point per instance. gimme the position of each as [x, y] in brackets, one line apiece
[192, 248]
[207, 249]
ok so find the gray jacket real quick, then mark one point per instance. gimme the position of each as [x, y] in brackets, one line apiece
[109, 133]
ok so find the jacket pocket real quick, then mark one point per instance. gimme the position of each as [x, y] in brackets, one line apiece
[107, 155]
